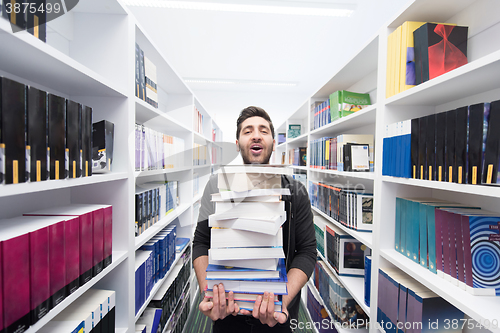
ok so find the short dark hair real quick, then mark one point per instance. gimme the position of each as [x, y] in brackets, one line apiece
[252, 111]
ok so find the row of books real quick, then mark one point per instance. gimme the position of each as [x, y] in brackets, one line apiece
[33, 20]
[460, 146]
[350, 207]
[319, 233]
[200, 154]
[281, 138]
[419, 51]
[344, 253]
[42, 136]
[406, 305]
[198, 121]
[340, 104]
[320, 320]
[453, 240]
[169, 296]
[149, 321]
[146, 87]
[92, 312]
[342, 306]
[47, 255]
[181, 312]
[345, 152]
[297, 156]
[153, 201]
[246, 246]
[155, 150]
[152, 262]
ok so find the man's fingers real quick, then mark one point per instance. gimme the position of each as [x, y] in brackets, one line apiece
[222, 299]
[280, 317]
[263, 306]
[230, 303]
[256, 307]
[236, 309]
[206, 305]
[270, 305]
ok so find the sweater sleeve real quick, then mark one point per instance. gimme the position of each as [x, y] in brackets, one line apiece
[201, 240]
[305, 239]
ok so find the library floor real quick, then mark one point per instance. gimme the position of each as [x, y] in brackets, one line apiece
[198, 323]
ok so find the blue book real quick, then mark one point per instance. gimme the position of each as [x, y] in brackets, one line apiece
[180, 244]
[368, 274]
[237, 273]
[397, 234]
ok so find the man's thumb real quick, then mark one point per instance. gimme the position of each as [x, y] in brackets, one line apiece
[280, 317]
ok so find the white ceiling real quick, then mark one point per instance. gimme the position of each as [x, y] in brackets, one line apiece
[306, 50]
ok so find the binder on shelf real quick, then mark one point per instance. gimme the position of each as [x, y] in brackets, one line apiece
[37, 134]
[73, 137]
[57, 137]
[449, 170]
[492, 150]
[86, 141]
[477, 124]
[460, 169]
[36, 21]
[440, 160]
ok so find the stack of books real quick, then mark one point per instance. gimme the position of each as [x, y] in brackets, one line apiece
[246, 251]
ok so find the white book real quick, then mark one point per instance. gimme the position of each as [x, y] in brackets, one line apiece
[267, 264]
[249, 209]
[226, 195]
[239, 253]
[248, 181]
[221, 238]
[269, 226]
[239, 296]
[216, 197]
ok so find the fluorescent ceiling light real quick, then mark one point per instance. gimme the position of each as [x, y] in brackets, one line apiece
[241, 82]
[261, 7]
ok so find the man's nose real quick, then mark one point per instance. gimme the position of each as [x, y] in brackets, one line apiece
[256, 136]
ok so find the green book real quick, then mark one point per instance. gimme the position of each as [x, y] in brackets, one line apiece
[293, 131]
[344, 103]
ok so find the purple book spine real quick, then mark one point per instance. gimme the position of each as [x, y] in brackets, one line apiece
[445, 230]
[16, 283]
[39, 273]
[467, 250]
[86, 248]
[72, 248]
[98, 240]
[460, 248]
[57, 263]
[452, 220]
[439, 239]
[108, 235]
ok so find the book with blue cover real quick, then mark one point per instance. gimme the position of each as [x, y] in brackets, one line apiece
[229, 272]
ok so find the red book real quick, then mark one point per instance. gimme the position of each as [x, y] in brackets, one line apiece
[14, 249]
[57, 264]
[72, 249]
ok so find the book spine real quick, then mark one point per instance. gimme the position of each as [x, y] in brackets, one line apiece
[37, 129]
[39, 273]
[72, 254]
[57, 262]
[86, 248]
[491, 149]
[476, 120]
[108, 235]
[460, 175]
[98, 241]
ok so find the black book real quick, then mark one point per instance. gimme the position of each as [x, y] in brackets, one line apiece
[15, 17]
[303, 156]
[138, 90]
[13, 132]
[102, 142]
[57, 136]
[86, 141]
[449, 148]
[430, 146]
[73, 137]
[422, 152]
[492, 146]
[37, 134]
[414, 147]
[459, 168]
[475, 143]
[36, 21]
[356, 157]
[440, 146]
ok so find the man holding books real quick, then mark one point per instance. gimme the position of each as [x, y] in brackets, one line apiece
[255, 141]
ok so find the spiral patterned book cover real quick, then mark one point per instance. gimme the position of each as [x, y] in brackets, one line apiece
[482, 258]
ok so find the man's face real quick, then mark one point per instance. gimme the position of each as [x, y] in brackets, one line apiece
[256, 142]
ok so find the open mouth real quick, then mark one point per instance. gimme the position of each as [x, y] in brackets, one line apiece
[256, 149]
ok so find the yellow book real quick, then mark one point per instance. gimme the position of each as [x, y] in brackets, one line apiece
[390, 70]
[397, 60]
[407, 42]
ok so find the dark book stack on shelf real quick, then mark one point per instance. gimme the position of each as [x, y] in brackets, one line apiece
[346, 152]
[350, 207]
[451, 240]
[419, 51]
[459, 146]
[403, 302]
[152, 262]
[297, 156]
[146, 87]
[56, 251]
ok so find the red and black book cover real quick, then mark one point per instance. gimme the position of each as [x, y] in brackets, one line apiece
[451, 119]
[37, 133]
[72, 253]
[13, 106]
[492, 146]
[57, 262]
[460, 169]
[16, 283]
[98, 241]
[73, 137]
[39, 273]
[36, 22]
[475, 143]
[440, 146]
[439, 48]
[57, 136]
[86, 141]
[422, 152]
[430, 147]
[414, 148]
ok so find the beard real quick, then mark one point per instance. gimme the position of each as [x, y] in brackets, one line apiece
[247, 157]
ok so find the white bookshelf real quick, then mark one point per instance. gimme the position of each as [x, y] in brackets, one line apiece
[365, 72]
[89, 57]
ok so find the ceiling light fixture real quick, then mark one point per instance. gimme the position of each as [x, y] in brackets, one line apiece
[241, 82]
[269, 7]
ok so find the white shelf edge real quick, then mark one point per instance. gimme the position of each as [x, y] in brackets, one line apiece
[302, 137]
[156, 111]
[350, 174]
[160, 282]
[47, 185]
[299, 167]
[195, 167]
[139, 174]
[197, 198]
[364, 237]
[118, 258]
[157, 227]
[479, 308]
[354, 285]
[492, 191]
[350, 118]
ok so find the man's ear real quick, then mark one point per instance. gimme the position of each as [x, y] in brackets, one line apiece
[237, 146]
[274, 145]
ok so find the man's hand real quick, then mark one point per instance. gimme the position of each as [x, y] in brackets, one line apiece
[217, 307]
[263, 310]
